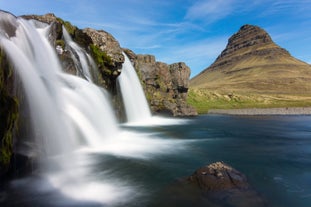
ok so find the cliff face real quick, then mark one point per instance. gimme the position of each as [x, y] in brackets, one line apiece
[252, 62]
[8, 113]
[165, 86]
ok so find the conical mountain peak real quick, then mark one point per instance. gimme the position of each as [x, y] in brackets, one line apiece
[248, 36]
[252, 61]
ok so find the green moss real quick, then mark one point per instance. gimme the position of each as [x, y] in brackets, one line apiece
[70, 28]
[6, 147]
[61, 43]
[101, 58]
[8, 112]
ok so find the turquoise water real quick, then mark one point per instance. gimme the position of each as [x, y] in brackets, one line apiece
[274, 152]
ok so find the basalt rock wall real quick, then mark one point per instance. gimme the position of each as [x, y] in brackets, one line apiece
[165, 85]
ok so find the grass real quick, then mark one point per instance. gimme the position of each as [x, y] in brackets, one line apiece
[203, 100]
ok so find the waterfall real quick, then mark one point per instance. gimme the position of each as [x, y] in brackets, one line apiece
[66, 111]
[79, 56]
[73, 122]
[136, 105]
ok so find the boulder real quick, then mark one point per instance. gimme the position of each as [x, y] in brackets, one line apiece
[217, 184]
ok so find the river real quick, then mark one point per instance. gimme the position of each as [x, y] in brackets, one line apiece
[274, 152]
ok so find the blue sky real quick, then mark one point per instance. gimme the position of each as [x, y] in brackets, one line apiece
[190, 31]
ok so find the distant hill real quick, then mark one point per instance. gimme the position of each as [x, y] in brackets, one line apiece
[252, 67]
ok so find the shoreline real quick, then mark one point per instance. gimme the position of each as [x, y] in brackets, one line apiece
[263, 111]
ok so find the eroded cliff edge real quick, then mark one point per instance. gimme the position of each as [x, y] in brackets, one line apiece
[165, 85]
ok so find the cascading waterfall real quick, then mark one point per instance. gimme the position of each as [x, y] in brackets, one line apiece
[37, 67]
[136, 105]
[72, 118]
[61, 103]
[67, 112]
[79, 56]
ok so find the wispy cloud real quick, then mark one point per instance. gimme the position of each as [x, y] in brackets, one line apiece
[210, 10]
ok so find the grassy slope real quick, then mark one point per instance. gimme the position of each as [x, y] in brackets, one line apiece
[253, 83]
[203, 100]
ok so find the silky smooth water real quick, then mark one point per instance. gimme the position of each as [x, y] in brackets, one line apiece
[134, 99]
[274, 152]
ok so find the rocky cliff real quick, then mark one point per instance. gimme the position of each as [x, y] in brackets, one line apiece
[252, 62]
[165, 86]
[8, 113]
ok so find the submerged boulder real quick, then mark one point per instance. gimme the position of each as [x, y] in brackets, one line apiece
[218, 176]
[217, 184]
[220, 183]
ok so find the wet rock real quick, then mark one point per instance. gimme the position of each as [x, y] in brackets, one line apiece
[214, 185]
[218, 176]
[165, 85]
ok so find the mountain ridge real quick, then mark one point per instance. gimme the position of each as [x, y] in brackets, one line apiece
[252, 71]
[251, 53]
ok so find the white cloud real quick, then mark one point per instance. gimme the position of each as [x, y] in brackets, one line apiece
[210, 10]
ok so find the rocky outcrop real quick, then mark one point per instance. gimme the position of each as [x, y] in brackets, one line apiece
[217, 184]
[165, 86]
[218, 176]
[107, 53]
[221, 183]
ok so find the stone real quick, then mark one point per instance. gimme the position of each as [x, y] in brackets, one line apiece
[165, 85]
[218, 176]
[108, 44]
[214, 185]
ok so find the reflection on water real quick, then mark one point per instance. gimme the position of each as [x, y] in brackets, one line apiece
[135, 168]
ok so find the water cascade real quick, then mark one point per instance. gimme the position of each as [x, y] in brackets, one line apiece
[61, 103]
[136, 105]
[73, 122]
[67, 112]
[81, 59]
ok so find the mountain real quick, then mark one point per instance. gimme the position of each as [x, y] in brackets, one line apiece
[252, 62]
[253, 65]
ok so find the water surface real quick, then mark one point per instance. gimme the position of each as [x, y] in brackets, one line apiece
[274, 152]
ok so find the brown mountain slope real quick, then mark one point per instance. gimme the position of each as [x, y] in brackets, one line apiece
[253, 63]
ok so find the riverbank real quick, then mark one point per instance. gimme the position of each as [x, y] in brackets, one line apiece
[264, 111]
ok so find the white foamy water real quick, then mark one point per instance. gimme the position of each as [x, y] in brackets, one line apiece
[136, 105]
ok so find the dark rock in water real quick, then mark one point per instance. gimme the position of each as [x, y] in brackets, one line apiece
[215, 185]
[218, 176]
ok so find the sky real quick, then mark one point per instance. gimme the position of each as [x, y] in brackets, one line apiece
[190, 31]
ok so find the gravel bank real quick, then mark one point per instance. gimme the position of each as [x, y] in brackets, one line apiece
[269, 111]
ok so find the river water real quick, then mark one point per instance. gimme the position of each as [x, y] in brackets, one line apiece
[274, 152]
